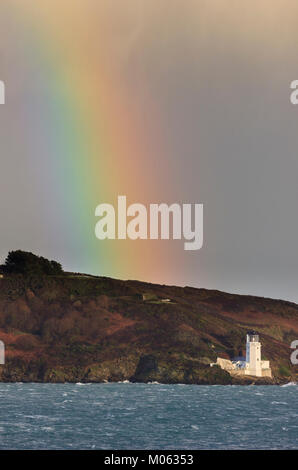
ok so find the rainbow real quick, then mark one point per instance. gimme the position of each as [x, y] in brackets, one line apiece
[91, 143]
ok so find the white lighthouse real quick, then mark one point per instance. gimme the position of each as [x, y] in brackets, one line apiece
[253, 354]
[252, 364]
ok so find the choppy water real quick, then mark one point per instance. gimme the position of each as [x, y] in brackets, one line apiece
[139, 416]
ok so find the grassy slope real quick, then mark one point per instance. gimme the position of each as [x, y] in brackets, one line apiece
[84, 328]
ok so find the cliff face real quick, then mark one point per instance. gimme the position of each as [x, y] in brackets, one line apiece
[83, 328]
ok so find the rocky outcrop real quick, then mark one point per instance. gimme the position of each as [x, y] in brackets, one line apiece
[151, 369]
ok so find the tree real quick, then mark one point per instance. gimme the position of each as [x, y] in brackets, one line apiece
[23, 262]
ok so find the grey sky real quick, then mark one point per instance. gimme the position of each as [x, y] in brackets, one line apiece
[219, 75]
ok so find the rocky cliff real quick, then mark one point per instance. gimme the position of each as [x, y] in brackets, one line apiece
[80, 328]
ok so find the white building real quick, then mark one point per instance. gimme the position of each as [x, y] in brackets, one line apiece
[252, 365]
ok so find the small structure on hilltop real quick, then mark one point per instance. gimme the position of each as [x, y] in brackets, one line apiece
[149, 297]
[251, 364]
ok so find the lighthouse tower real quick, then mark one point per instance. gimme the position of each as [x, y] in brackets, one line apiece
[253, 354]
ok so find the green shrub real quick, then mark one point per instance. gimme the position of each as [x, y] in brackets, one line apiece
[284, 371]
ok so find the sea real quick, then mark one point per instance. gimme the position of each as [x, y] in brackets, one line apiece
[147, 416]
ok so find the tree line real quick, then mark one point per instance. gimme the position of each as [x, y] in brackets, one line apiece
[26, 263]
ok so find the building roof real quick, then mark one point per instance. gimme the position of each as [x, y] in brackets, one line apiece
[238, 358]
[252, 332]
